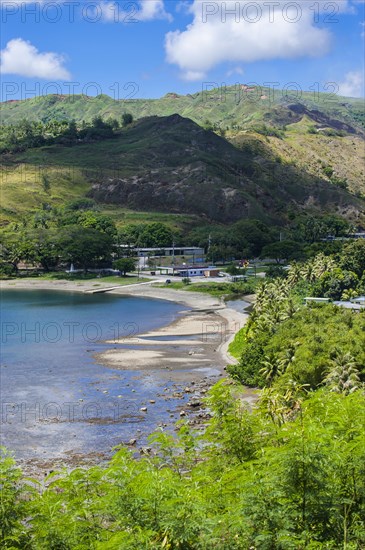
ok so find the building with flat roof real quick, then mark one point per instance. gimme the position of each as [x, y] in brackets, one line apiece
[169, 251]
[197, 271]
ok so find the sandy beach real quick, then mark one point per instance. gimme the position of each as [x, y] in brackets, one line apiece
[200, 337]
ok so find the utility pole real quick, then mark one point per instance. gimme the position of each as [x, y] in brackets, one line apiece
[209, 244]
[173, 258]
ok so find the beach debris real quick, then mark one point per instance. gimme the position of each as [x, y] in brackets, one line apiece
[182, 413]
[152, 401]
[194, 403]
[145, 450]
[143, 409]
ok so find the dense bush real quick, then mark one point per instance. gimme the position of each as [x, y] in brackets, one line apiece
[276, 478]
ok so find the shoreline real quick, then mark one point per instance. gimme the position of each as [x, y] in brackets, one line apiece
[183, 358]
[231, 320]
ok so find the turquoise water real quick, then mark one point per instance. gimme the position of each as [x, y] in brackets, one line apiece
[56, 399]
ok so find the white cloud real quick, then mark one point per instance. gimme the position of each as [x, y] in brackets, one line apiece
[352, 85]
[235, 70]
[192, 75]
[22, 58]
[216, 36]
[133, 12]
[153, 9]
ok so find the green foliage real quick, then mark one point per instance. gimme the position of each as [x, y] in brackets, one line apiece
[282, 341]
[127, 119]
[333, 284]
[232, 269]
[284, 250]
[328, 171]
[28, 134]
[275, 271]
[125, 265]
[343, 374]
[257, 479]
[352, 257]
[265, 130]
[86, 247]
[150, 235]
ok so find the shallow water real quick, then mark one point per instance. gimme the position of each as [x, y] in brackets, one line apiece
[56, 399]
[238, 305]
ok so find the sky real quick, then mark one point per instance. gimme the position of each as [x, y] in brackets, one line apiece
[147, 48]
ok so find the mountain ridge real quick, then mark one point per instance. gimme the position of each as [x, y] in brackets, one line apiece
[225, 106]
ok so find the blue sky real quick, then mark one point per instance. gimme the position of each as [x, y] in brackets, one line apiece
[146, 48]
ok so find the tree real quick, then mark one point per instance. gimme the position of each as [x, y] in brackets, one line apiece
[155, 235]
[284, 250]
[43, 248]
[97, 221]
[127, 119]
[125, 265]
[332, 284]
[343, 375]
[232, 269]
[275, 271]
[352, 257]
[14, 248]
[84, 246]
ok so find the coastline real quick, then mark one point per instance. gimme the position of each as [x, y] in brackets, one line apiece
[205, 310]
[182, 359]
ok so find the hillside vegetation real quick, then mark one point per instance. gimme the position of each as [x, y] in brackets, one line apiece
[235, 106]
[162, 164]
[286, 473]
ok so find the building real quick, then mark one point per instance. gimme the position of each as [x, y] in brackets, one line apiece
[310, 299]
[360, 300]
[212, 272]
[349, 305]
[170, 251]
[197, 271]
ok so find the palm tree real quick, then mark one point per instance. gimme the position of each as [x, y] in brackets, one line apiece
[272, 367]
[271, 404]
[288, 356]
[309, 272]
[343, 374]
[323, 264]
[294, 274]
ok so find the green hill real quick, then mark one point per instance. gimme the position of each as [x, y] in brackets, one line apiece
[315, 132]
[173, 166]
[232, 107]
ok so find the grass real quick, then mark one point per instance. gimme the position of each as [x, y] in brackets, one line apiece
[220, 290]
[62, 276]
[235, 347]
